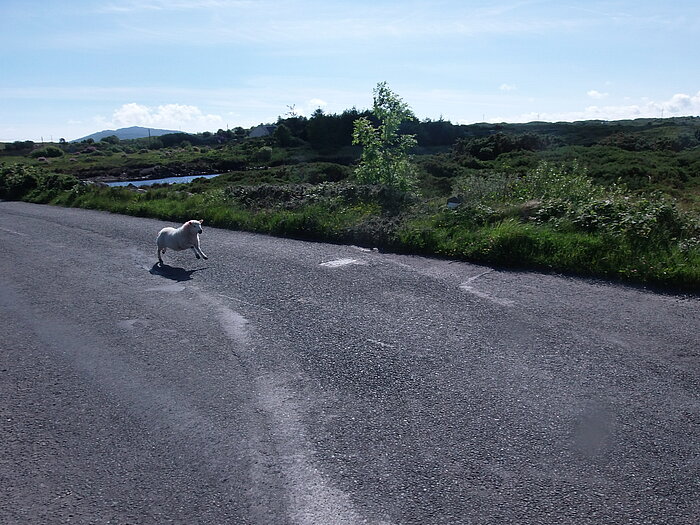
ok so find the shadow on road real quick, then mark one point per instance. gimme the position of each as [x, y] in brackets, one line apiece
[172, 272]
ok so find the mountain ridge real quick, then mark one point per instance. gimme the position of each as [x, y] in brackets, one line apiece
[133, 132]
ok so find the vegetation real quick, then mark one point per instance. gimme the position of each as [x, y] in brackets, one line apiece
[617, 200]
[385, 152]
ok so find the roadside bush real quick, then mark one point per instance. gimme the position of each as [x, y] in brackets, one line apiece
[486, 188]
[30, 183]
[569, 200]
[552, 182]
[388, 200]
[16, 180]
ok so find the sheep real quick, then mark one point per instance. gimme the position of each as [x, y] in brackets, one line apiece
[186, 236]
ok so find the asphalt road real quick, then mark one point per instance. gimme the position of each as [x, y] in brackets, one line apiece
[288, 382]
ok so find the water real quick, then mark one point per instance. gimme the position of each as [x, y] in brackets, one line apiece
[167, 180]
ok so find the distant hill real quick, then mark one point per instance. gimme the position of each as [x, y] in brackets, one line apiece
[134, 132]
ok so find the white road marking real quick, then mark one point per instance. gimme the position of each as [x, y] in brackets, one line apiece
[339, 262]
[380, 343]
[312, 496]
[484, 295]
[475, 277]
[14, 232]
[254, 305]
[467, 287]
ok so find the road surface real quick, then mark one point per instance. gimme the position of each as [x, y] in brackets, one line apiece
[288, 382]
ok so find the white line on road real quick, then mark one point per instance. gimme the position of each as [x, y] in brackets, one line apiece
[339, 262]
[312, 496]
[475, 277]
[467, 287]
[14, 232]
[488, 297]
[380, 343]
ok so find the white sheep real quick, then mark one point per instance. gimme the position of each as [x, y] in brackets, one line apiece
[186, 236]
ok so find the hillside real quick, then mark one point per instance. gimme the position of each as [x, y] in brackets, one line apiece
[134, 132]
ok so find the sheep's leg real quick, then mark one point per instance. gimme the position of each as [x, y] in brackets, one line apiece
[198, 249]
[160, 260]
[195, 252]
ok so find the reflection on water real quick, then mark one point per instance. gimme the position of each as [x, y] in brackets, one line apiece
[167, 180]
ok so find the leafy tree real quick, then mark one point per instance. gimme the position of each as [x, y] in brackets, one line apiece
[385, 152]
[296, 125]
[319, 130]
[283, 136]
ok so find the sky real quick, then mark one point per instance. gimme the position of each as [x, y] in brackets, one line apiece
[71, 68]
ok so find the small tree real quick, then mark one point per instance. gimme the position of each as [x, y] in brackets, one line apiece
[385, 154]
[283, 136]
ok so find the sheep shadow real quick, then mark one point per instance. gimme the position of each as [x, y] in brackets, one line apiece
[172, 272]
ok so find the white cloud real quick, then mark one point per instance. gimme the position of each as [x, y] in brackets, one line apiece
[317, 103]
[596, 94]
[679, 105]
[168, 116]
[507, 87]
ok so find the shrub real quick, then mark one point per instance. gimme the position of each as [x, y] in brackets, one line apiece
[48, 151]
[283, 136]
[552, 182]
[264, 154]
[568, 200]
[486, 188]
[17, 180]
[319, 172]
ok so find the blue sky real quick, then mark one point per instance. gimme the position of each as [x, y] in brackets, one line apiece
[70, 68]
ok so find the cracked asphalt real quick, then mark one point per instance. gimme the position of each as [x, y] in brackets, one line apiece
[290, 382]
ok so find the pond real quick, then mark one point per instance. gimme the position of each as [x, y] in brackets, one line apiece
[167, 180]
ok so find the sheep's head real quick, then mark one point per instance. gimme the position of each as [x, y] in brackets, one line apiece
[195, 226]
